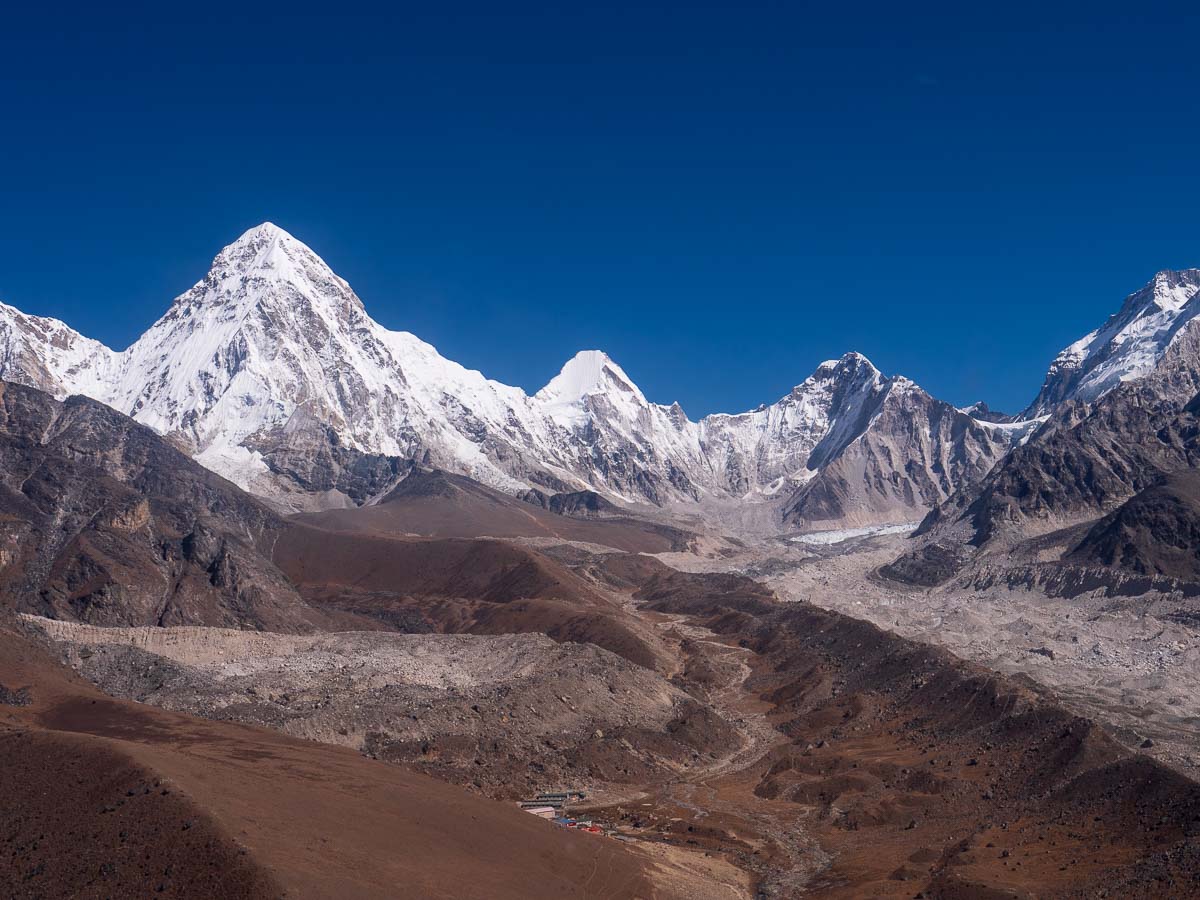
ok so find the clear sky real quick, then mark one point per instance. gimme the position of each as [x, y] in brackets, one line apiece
[720, 196]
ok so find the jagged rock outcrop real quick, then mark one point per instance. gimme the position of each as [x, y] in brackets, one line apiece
[1155, 533]
[1081, 463]
[908, 453]
[984, 413]
[103, 521]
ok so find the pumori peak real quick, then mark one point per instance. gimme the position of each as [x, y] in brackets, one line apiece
[588, 372]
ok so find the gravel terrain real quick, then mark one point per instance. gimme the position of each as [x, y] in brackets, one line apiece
[1131, 663]
[506, 714]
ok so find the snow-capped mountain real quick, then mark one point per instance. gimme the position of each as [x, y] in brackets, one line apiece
[1135, 428]
[271, 372]
[786, 441]
[984, 413]
[906, 453]
[51, 356]
[1127, 346]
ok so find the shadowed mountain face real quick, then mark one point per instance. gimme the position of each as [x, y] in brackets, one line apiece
[581, 504]
[914, 453]
[1154, 533]
[985, 413]
[103, 521]
[433, 503]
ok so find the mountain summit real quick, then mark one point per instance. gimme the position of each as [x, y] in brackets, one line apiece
[587, 372]
[1127, 346]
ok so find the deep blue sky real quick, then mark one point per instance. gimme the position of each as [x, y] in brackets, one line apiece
[719, 196]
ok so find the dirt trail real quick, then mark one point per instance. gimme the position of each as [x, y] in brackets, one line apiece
[720, 794]
[731, 699]
[717, 788]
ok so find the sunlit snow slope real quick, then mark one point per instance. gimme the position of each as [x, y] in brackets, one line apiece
[1127, 346]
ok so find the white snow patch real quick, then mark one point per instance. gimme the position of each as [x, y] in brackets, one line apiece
[827, 538]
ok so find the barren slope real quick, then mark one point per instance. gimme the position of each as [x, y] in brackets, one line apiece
[508, 714]
[916, 773]
[454, 585]
[104, 521]
[107, 797]
[439, 504]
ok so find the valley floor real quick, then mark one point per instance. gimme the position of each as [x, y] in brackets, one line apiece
[777, 751]
[1118, 660]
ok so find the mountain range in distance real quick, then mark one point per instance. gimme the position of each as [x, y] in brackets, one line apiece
[270, 372]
